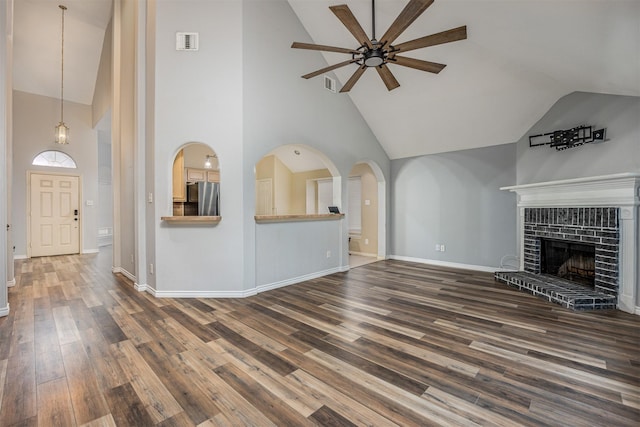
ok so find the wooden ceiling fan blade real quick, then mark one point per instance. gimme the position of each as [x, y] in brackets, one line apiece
[388, 78]
[418, 64]
[347, 18]
[329, 68]
[353, 79]
[410, 13]
[448, 36]
[325, 48]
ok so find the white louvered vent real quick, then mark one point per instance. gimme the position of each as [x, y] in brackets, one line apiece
[186, 41]
[329, 84]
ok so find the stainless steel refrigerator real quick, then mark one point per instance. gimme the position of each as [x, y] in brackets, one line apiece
[208, 199]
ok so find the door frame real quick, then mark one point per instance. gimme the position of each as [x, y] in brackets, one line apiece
[80, 210]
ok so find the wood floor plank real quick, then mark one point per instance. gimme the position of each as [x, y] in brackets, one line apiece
[265, 401]
[386, 344]
[195, 404]
[54, 404]
[88, 400]
[19, 401]
[65, 325]
[108, 372]
[126, 407]
[157, 400]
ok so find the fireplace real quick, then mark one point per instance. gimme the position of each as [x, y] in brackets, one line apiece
[596, 216]
[568, 260]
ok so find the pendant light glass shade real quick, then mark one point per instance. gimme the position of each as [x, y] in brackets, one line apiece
[62, 134]
[62, 130]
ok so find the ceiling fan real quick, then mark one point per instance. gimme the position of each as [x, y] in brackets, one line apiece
[379, 53]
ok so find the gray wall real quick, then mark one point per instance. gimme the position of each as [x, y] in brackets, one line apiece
[454, 199]
[6, 259]
[34, 118]
[197, 97]
[282, 108]
[619, 114]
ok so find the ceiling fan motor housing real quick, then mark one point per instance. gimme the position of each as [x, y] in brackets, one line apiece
[374, 57]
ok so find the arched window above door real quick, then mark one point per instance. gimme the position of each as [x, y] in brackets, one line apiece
[54, 159]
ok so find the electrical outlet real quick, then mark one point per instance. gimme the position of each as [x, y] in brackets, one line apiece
[437, 248]
[441, 248]
[150, 198]
[328, 254]
[366, 241]
[151, 268]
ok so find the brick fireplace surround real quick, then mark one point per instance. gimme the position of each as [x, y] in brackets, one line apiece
[602, 211]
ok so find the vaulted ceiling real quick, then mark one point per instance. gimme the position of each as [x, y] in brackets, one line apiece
[520, 57]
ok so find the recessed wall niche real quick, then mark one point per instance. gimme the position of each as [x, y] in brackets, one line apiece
[196, 181]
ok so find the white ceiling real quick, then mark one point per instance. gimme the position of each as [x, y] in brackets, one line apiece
[37, 46]
[299, 158]
[520, 57]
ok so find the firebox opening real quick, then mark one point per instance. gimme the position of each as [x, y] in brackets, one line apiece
[569, 260]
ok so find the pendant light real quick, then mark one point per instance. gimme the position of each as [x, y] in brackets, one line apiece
[207, 161]
[62, 130]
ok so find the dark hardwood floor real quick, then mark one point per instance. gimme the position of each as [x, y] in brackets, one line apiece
[389, 343]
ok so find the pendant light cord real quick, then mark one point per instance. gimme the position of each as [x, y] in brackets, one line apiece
[62, 69]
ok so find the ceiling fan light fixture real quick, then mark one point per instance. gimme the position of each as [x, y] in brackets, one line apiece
[372, 53]
[374, 57]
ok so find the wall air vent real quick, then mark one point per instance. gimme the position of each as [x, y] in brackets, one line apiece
[329, 84]
[186, 41]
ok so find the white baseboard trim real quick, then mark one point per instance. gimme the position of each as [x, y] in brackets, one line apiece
[140, 288]
[124, 272]
[294, 280]
[4, 311]
[637, 311]
[238, 294]
[446, 264]
[200, 294]
[11, 283]
[90, 251]
[345, 268]
[362, 254]
[20, 256]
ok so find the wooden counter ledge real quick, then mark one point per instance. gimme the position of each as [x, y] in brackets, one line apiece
[261, 219]
[192, 219]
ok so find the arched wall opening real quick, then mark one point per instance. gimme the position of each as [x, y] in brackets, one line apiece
[367, 234]
[296, 179]
[195, 175]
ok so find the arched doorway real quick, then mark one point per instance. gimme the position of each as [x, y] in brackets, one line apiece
[366, 209]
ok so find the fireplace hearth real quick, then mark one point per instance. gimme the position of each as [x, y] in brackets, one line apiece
[601, 211]
[570, 256]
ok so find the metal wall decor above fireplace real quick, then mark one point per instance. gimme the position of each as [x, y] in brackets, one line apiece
[568, 138]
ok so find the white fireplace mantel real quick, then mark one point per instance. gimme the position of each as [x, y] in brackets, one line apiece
[607, 190]
[618, 190]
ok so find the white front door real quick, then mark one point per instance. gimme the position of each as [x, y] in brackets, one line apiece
[55, 219]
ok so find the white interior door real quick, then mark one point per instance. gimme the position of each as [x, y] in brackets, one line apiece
[264, 197]
[325, 195]
[55, 220]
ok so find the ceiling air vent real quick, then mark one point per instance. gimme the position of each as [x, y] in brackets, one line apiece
[186, 41]
[329, 84]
